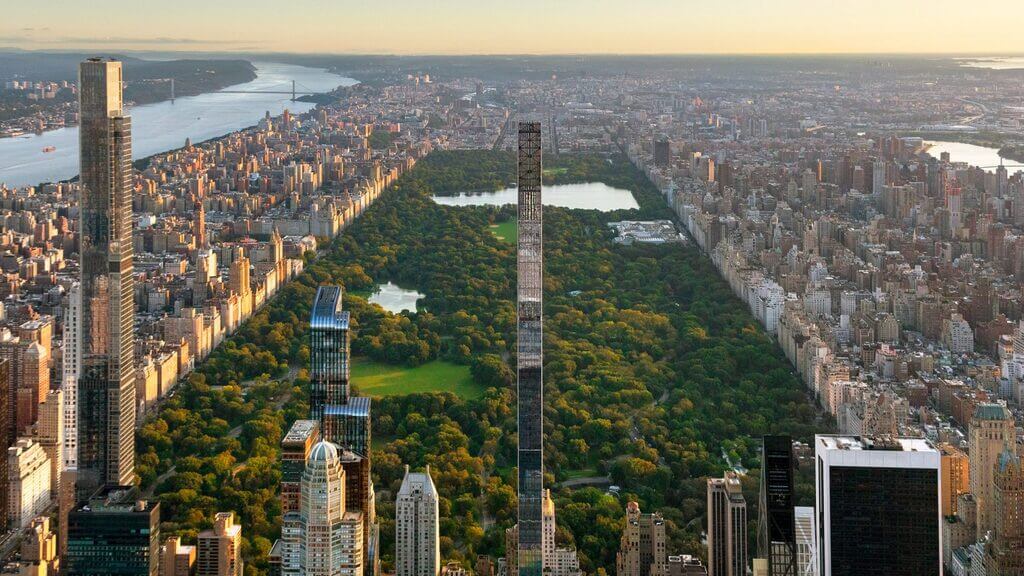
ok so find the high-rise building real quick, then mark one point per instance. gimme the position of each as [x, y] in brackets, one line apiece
[50, 435]
[642, 550]
[29, 484]
[991, 430]
[558, 561]
[322, 538]
[727, 526]
[177, 559]
[878, 506]
[328, 351]
[417, 539]
[106, 385]
[344, 419]
[295, 449]
[529, 372]
[5, 438]
[112, 534]
[806, 546]
[955, 478]
[1004, 555]
[219, 550]
[776, 521]
[662, 153]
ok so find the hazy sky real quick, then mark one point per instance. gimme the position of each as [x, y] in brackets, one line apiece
[518, 26]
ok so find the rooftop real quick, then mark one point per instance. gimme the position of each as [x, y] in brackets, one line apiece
[886, 443]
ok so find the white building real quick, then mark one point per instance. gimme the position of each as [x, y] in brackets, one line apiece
[879, 494]
[72, 359]
[957, 334]
[417, 539]
[806, 545]
[28, 471]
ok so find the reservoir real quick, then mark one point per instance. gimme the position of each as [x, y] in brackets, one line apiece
[395, 299]
[981, 156]
[586, 196]
[164, 126]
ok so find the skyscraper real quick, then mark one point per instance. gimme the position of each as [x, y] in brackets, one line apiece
[295, 449]
[328, 351]
[529, 264]
[220, 548]
[113, 535]
[776, 530]
[5, 438]
[106, 386]
[878, 507]
[990, 432]
[955, 479]
[642, 550]
[70, 365]
[1005, 553]
[806, 546]
[727, 526]
[322, 538]
[417, 540]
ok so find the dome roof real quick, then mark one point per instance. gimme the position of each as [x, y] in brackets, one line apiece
[323, 451]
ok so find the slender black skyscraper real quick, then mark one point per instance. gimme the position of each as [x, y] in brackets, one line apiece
[777, 517]
[106, 388]
[328, 351]
[530, 264]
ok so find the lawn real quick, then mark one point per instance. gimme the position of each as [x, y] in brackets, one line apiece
[505, 230]
[375, 379]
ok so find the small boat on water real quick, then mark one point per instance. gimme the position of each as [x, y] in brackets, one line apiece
[49, 148]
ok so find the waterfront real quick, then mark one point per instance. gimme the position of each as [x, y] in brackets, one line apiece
[585, 196]
[165, 125]
[981, 156]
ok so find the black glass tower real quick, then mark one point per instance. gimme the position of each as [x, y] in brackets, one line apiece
[106, 386]
[114, 535]
[328, 351]
[776, 516]
[530, 263]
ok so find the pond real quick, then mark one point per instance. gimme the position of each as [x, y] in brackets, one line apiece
[586, 196]
[395, 299]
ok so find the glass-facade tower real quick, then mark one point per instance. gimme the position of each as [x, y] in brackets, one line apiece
[529, 264]
[328, 351]
[106, 387]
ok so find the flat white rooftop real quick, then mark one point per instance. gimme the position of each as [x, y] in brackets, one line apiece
[891, 444]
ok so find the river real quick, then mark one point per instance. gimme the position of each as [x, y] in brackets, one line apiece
[164, 126]
[972, 154]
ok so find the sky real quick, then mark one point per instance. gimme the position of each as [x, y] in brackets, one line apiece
[519, 26]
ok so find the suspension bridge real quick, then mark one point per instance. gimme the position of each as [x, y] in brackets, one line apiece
[295, 90]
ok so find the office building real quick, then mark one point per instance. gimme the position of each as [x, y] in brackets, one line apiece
[642, 549]
[348, 425]
[955, 478]
[106, 384]
[295, 449]
[877, 506]
[417, 540]
[328, 351]
[806, 546]
[529, 264]
[112, 534]
[727, 526]
[1004, 554]
[776, 530]
[219, 550]
[28, 484]
[991, 430]
[177, 559]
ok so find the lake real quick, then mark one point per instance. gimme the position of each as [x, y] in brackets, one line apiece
[972, 154]
[585, 196]
[395, 299]
[164, 126]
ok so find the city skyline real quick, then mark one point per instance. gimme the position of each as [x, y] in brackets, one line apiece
[573, 27]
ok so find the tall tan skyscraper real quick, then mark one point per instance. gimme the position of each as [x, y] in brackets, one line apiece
[727, 526]
[1005, 554]
[219, 551]
[106, 387]
[642, 549]
[990, 432]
